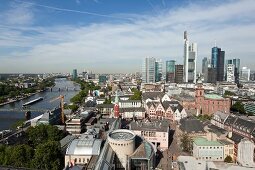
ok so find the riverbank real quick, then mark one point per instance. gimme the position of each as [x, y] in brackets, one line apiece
[21, 98]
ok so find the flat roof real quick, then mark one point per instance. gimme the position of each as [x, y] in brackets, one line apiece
[213, 96]
[200, 141]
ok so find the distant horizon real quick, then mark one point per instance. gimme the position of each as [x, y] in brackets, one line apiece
[109, 36]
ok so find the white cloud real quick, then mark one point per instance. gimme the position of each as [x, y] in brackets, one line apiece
[18, 14]
[120, 47]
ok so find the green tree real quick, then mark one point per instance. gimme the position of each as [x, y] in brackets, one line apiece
[77, 98]
[137, 94]
[238, 107]
[43, 133]
[228, 159]
[48, 156]
[186, 143]
[2, 154]
[20, 156]
[73, 107]
[229, 93]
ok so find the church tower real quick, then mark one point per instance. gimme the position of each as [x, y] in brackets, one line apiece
[199, 96]
[116, 106]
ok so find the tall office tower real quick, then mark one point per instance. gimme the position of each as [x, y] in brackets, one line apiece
[179, 73]
[74, 75]
[158, 70]
[206, 64]
[245, 74]
[236, 63]
[212, 73]
[218, 60]
[170, 71]
[148, 70]
[230, 73]
[220, 65]
[190, 58]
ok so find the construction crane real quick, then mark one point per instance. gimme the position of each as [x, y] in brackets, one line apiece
[61, 97]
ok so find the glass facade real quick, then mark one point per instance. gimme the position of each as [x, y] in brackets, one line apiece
[214, 57]
[170, 69]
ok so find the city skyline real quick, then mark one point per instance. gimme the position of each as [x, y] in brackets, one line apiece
[44, 36]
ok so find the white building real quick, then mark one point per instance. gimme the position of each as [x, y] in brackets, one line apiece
[75, 126]
[190, 58]
[245, 153]
[80, 151]
[130, 103]
[156, 132]
[148, 70]
[208, 150]
[245, 74]
[230, 73]
[123, 144]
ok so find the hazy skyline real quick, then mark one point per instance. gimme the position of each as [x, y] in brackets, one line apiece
[115, 36]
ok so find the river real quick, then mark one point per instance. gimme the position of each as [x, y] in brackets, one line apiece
[8, 118]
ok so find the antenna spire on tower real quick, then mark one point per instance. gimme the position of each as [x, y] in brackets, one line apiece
[215, 43]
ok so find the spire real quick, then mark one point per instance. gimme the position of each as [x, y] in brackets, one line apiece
[215, 43]
[116, 100]
[185, 35]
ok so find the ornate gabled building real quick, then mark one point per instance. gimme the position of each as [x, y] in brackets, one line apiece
[171, 110]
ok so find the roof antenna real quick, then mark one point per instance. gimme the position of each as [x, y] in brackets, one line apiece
[214, 43]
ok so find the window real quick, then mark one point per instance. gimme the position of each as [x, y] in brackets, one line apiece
[83, 159]
[79, 159]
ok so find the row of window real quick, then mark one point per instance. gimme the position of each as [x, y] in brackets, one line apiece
[83, 160]
[210, 147]
[209, 158]
[117, 144]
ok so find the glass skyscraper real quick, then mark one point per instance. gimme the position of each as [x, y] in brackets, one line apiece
[218, 62]
[148, 70]
[170, 69]
[214, 57]
[158, 70]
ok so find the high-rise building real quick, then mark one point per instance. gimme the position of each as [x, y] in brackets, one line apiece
[206, 64]
[158, 70]
[245, 74]
[190, 57]
[230, 73]
[218, 60]
[212, 73]
[236, 63]
[214, 57]
[170, 71]
[220, 65]
[148, 70]
[178, 73]
[74, 75]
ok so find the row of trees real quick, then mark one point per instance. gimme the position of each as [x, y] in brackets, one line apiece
[85, 88]
[42, 151]
[9, 90]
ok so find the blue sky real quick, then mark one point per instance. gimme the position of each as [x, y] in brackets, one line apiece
[115, 35]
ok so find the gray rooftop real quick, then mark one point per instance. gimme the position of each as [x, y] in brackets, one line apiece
[153, 125]
[84, 146]
[192, 125]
